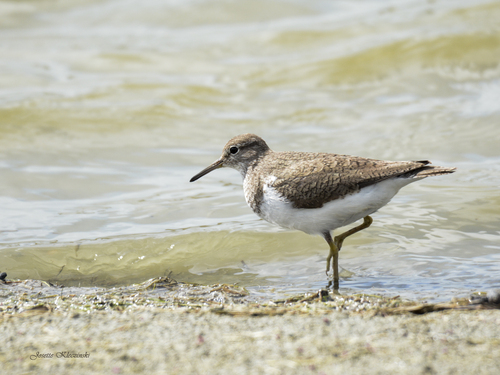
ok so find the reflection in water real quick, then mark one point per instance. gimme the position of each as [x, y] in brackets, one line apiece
[107, 110]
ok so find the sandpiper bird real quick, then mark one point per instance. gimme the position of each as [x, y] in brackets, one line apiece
[317, 192]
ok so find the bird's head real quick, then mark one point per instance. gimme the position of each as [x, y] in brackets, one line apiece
[238, 153]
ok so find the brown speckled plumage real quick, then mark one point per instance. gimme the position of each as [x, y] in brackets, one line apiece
[308, 179]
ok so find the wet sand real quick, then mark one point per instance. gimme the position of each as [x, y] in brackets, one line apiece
[167, 327]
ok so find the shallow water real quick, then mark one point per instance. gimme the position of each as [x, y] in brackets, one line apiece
[107, 108]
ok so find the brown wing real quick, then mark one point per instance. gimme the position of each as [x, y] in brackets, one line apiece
[310, 179]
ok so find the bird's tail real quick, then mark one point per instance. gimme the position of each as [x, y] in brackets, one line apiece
[429, 170]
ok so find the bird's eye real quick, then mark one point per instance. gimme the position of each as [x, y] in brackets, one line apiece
[233, 150]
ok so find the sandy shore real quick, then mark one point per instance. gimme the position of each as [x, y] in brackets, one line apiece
[174, 328]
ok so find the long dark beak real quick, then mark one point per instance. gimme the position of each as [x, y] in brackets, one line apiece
[215, 165]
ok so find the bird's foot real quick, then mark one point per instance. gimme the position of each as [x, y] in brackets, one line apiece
[334, 285]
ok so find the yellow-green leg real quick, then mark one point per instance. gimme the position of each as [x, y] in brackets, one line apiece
[335, 246]
[339, 240]
[334, 253]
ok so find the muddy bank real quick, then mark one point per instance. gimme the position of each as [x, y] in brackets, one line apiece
[162, 326]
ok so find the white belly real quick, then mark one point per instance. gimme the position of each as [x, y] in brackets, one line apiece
[335, 214]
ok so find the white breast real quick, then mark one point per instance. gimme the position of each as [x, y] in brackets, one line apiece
[335, 214]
